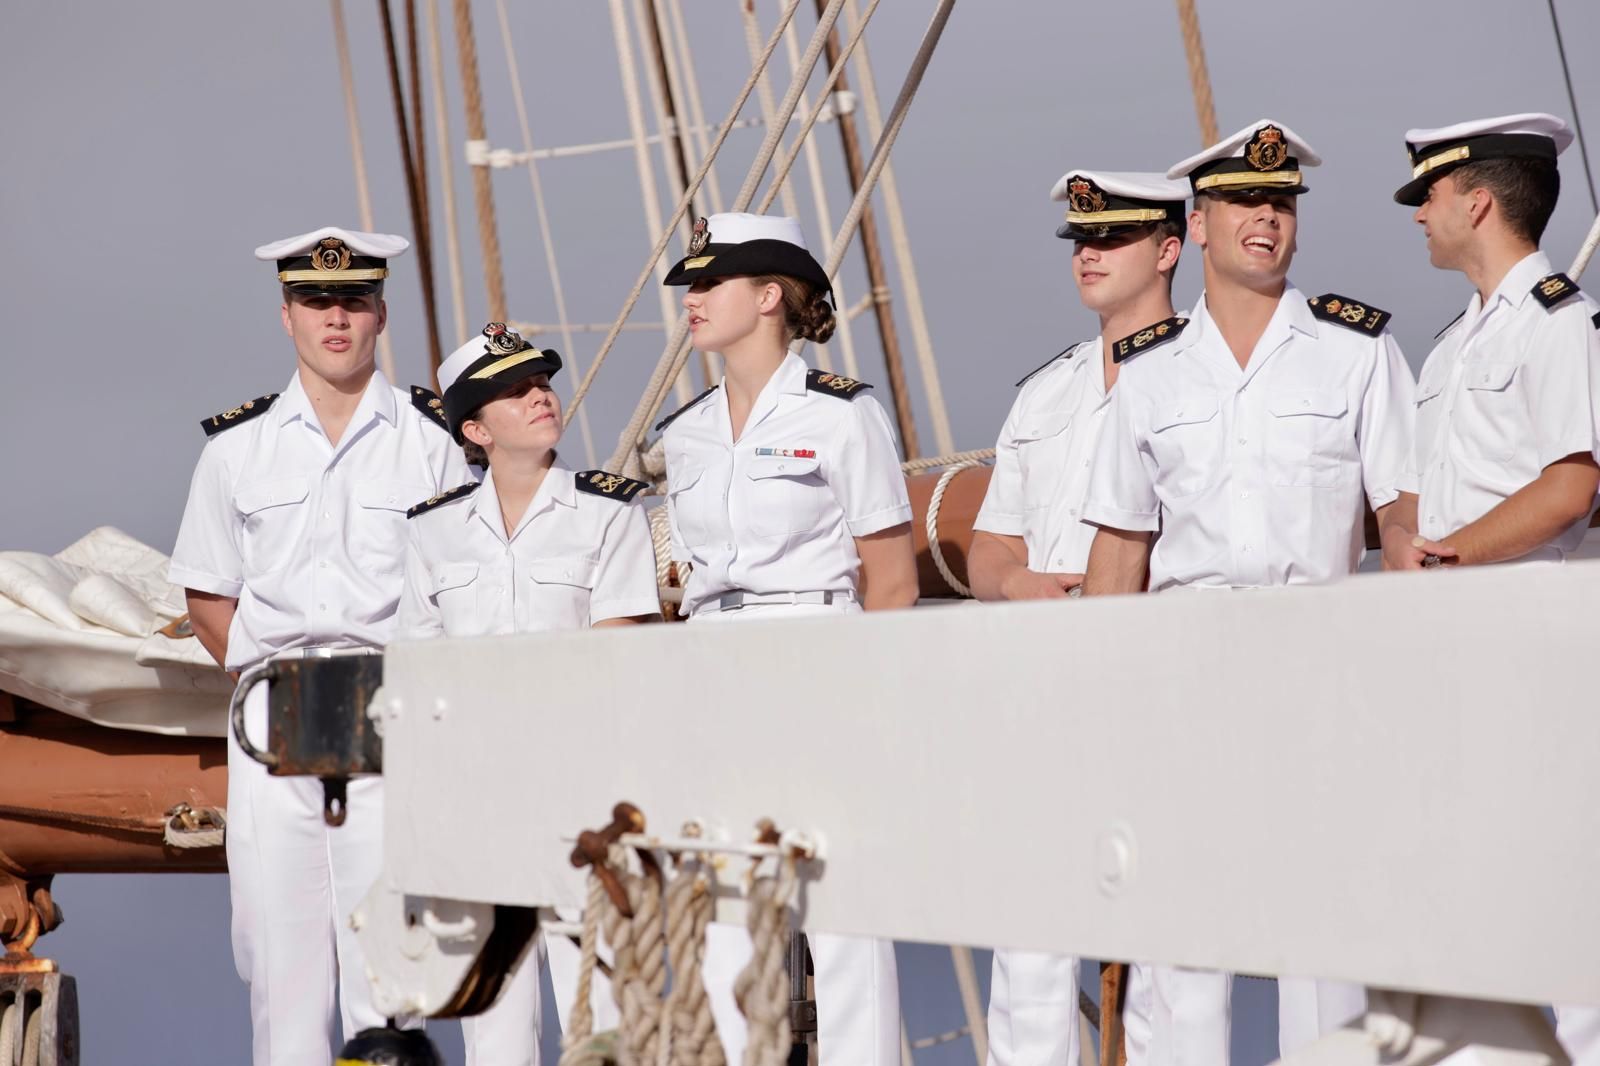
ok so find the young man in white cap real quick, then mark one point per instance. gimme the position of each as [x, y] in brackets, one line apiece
[292, 544]
[1030, 541]
[537, 546]
[1251, 443]
[1506, 402]
[1506, 437]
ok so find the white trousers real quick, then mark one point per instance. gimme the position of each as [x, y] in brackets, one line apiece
[1578, 1029]
[1192, 1016]
[293, 882]
[857, 988]
[1033, 1011]
[508, 1033]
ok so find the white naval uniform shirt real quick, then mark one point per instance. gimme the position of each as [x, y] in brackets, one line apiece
[1043, 460]
[1254, 476]
[1512, 387]
[309, 537]
[778, 510]
[574, 559]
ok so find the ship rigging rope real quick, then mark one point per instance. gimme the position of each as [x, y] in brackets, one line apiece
[931, 527]
[762, 987]
[579, 1045]
[1572, 99]
[900, 241]
[482, 191]
[691, 1038]
[1194, 48]
[551, 266]
[666, 232]
[1586, 252]
[677, 351]
[358, 158]
[447, 179]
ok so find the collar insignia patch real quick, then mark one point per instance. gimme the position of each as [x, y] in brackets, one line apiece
[233, 416]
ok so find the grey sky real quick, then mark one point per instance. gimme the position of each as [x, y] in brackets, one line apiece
[150, 147]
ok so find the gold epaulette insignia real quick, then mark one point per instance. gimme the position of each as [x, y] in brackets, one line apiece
[444, 497]
[1553, 289]
[1331, 307]
[428, 402]
[243, 413]
[665, 422]
[612, 486]
[834, 384]
[1147, 338]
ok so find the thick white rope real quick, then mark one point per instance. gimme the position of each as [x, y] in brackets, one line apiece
[769, 109]
[691, 1030]
[650, 194]
[819, 203]
[359, 159]
[899, 239]
[578, 1042]
[917, 466]
[931, 527]
[762, 987]
[447, 175]
[195, 827]
[551, 267]
[1581, 261]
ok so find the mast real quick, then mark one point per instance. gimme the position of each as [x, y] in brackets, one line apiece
[877, 277]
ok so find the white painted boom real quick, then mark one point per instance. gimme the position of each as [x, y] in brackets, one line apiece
[1391, 781]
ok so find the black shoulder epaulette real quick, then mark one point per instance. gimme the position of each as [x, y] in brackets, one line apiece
[243, 413]
[1064, 353]
[612, 486]
[1595, 318]
[1331, 307]
[1147, 338]
[665, 422]
[1450, 323]
[428, 402]
[1553, 289]
[444, 497]
[834, 384]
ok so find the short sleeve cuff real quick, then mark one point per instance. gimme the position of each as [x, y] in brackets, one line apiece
[1007, 525]
[1556, 451]
[184, 577]
[605, 610]
[1101, 514]
[879, 520]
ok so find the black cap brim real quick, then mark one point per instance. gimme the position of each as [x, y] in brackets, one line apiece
[352, 288]
[749, 259]
[467, 393]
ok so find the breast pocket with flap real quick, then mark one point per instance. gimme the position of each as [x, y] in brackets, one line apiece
[783, 495]
[1042, 442]
[1310, 440]
[274, 514]
[1186, 440]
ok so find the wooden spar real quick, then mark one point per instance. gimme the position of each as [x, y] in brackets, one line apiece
[877, 277]
[416, 194]
[482, 189]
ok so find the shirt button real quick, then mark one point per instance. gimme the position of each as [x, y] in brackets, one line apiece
[322, 607]
[325, 514]
[322, 565]
[1246, 549]
[1245, 495]
[1305, 403]
[1243, 441]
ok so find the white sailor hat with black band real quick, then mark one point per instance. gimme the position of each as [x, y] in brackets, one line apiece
[1102, 202]
[1434, 153]
[1264, 157]
[334, 262]
[744, 245]
[486, 366]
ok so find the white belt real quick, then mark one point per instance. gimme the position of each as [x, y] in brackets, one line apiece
[737, 598]
[1215, 588]
[325, 651]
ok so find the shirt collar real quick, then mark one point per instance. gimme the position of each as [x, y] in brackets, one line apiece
[1517, 285]
[558, 487]
[378, 400]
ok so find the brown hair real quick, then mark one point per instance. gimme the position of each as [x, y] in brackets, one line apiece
[806, 311]
[1525, 189]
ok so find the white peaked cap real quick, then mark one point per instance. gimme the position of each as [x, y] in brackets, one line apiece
[1234, 146]
[459, 360]
[1535, 123]
[737, 228]
[1130, 184]
[377, 245]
